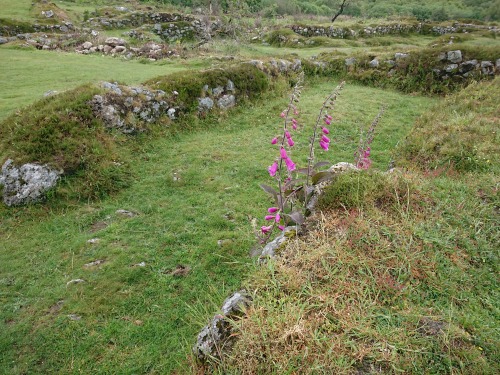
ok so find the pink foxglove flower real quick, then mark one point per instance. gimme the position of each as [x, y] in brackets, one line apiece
[265, 229]
[283, 114]
[325, 139]
[283, 153]
[269, 217]
[327, 121]
[294, 126]
[290, 141]
[273, 169]
[274, 141]
[287, 134]
[272, 210]
[278, 217]
[323, 145]
[326, 131]
[290, 164]
[281, 227]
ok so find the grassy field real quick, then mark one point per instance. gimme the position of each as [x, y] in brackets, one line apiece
[143, 319]
[397, 274]
[28, 73]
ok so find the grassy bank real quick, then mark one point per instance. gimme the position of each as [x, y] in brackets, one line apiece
[399, 272]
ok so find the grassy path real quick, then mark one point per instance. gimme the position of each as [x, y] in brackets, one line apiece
[127, 318]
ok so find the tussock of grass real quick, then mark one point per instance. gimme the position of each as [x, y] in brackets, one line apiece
[461, 134]
[371, 291]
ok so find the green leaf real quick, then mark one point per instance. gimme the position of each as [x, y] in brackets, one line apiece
[322, 177]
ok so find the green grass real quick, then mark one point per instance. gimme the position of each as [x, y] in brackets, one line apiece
[18, 9]
[144, 319]
[61, 71]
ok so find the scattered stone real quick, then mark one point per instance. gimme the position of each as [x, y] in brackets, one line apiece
[94, 263]
[226, 102]
[222, 243]
[272, 247]
[218, 90]
[400, 56]
[87, 45]
[114, 41]
[93, 241]
[3, 40]
[120, 49]
[487, 68]
[205, 104]
[27, 183]
[230, 85]
[74, 317]
[171, 113]
[54, 309]
[50, 93]
[236, 304]
[350, 61]
[48, 13]
[142, 264]
[75, 281]
[467, 66]
[451, 68]
[212, 338]
[126, 213]
[454, 56]
[374, 63]
[342, 167]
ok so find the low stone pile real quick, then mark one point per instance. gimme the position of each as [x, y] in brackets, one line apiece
[394, 29]
[125, 107]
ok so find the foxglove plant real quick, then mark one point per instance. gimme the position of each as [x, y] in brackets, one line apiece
[292, 190]
[362, 154]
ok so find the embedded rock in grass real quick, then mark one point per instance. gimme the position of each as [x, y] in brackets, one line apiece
[27, 183]
[455, 56]
[374, 63]
[226, 102]
[487, 68]
[3, 40]
[467, 66]
[205, 104]
[235, 305]
[114, 42]
[399, 56]
[212, 338]
[350, 61]
[272, 247]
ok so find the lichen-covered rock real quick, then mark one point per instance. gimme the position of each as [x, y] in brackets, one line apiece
[205, 104]
[226, 102]
[236, 304]
[454, 56]
[271, 248]
[487, 68]
[114, 42]
[27, 183]
[212, 338]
